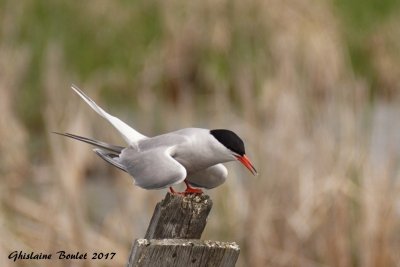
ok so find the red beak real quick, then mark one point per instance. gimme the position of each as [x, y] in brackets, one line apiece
[246, 162]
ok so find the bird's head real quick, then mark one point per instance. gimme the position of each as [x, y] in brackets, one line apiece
[235, 147]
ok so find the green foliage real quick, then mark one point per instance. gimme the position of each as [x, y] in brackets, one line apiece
[361, 18]
[362, 15]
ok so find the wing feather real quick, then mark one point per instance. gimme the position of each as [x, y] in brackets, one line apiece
[153, 169]
[129, 134]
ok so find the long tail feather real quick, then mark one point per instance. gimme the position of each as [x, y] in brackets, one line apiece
[128, 133]
[109, 147]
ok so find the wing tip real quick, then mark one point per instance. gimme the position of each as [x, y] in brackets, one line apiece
[75, 87]
[79, 91]
[128, 133]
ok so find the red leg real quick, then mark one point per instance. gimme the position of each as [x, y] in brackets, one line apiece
[175, 192]
[191, 190]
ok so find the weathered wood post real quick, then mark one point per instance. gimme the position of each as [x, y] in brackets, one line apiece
[173, 236]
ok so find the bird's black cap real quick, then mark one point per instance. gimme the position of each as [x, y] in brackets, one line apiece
[230, 140]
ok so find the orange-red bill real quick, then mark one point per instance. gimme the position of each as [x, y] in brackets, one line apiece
[246, 162]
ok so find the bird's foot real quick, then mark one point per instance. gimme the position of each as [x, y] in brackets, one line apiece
[189, 190]
[192, 190]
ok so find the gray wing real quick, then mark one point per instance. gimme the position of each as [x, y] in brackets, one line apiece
[153, 169]
[208, 178]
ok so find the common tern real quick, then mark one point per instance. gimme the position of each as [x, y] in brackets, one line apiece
[191, 155]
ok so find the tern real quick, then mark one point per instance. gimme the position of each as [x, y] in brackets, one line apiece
[191, 155]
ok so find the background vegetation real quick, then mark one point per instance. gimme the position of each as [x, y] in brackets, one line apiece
[311, 86]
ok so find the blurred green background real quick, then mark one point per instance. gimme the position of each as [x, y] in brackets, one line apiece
[311, 86]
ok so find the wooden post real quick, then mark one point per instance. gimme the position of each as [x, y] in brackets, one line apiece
[172, 238]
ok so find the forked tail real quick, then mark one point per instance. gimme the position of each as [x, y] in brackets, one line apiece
[109, 153]
[109, 147]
